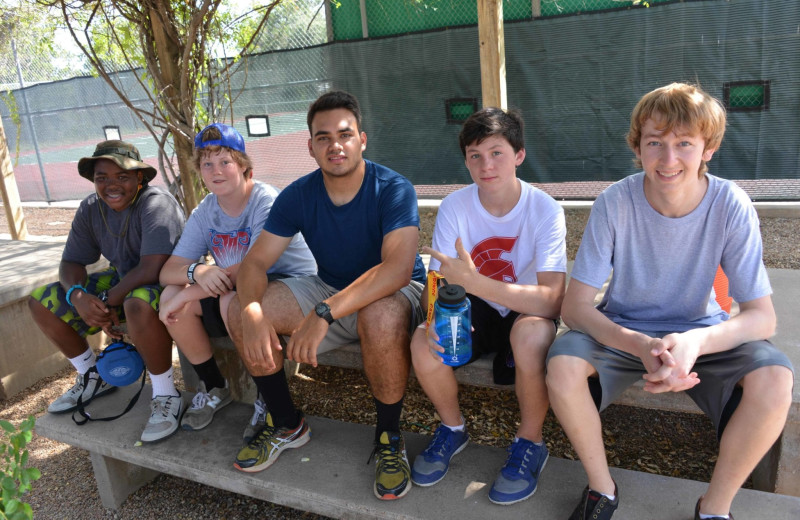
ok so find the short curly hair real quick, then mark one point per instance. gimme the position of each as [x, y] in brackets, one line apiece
[680, 105]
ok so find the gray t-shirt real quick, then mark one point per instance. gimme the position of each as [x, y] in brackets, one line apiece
[664, 268]
[227, 238]
[151, 226]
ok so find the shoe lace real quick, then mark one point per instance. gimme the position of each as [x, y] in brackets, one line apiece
[264, 436]
[200, 399]
[161, 406]
[519, 456]
[259, 413]
[388, 456]
[439, 445]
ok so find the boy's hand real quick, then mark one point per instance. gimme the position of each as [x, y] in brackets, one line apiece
[168, 312]
[95, 313]
[458, 270]
[259, 338]
[214, 280]
[306, 338]
[434, 348]
[677, 355]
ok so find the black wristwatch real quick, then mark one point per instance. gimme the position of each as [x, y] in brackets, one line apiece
[323, 310]
[103, 296]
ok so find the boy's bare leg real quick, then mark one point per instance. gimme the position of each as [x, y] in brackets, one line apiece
[149, 335]
[64, 337]
[575, 409]
[437, 379]
[531, 337]
[383, 333]
[283, 311]
[750, 433]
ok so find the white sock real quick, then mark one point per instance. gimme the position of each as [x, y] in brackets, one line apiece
[163, 384]
[85, 361]
[459, 428]
[703, 516]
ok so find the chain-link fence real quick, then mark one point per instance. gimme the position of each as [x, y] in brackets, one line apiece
[575, 78]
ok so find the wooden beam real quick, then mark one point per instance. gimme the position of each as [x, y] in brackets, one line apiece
[11, 200]
[492, 53]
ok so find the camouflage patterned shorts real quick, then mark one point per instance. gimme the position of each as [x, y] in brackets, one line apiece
[54, 298]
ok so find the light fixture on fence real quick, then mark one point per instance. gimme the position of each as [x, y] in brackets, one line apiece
[112, 133]
[257, 126]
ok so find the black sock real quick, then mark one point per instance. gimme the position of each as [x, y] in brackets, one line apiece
[209, 374]
[275, 391]
[388, 417]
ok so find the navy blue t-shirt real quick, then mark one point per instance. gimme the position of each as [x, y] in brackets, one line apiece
[346, 240]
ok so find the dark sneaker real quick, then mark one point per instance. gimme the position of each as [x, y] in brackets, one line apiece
[268, 444]
[258, 421]
[431, 465]
[204, 406]
[595, 506]
[165, 416]
[392, 474]
[520, 475]
[697, 512]
[89, 386]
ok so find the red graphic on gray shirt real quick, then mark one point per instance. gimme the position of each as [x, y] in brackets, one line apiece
[487, 258]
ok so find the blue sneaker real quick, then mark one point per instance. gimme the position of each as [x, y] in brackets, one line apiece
[431, 465]
[520, 474]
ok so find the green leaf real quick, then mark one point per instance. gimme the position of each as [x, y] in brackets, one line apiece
[7, 426]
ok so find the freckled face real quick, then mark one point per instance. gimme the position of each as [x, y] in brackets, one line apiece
[115, 186]
[221, 174]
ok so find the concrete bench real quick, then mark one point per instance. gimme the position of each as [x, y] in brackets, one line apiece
[27, 355]
[778, 472]
[329, 476]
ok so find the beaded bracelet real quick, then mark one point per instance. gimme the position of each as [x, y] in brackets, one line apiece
[69, 293]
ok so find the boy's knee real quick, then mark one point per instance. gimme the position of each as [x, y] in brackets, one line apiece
[138, 309]
[771, 386]
[565, 374]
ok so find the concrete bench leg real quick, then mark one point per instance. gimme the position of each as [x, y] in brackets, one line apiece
[117, 480]
[779, 471]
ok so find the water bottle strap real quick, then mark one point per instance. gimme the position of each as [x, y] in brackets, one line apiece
[433, 291]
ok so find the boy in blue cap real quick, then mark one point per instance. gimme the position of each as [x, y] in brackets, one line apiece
[196, 295]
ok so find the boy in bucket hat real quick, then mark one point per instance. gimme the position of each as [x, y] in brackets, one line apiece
[226, 223]
[135, 226]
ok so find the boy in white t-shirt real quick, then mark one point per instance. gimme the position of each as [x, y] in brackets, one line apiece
[194, 304]
[504, 242]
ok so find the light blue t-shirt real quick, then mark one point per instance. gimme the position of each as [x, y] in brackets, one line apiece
[209, 229]
[664, 268]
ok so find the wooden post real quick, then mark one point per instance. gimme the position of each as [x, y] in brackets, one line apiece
[492, 53]
[11, 201]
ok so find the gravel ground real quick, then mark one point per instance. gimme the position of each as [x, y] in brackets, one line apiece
[686, 444]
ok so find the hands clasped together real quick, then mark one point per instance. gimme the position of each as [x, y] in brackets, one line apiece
[669, 361]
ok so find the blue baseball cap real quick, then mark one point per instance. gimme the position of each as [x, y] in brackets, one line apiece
[230, 138]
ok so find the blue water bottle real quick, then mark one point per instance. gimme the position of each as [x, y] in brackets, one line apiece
[453, 324]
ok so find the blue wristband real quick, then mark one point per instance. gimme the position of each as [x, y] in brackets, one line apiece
[69, 293]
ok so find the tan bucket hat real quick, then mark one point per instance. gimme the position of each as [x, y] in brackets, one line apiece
[124, 154]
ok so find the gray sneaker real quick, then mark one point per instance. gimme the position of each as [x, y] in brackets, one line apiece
[257, 422]
[204, 406]
[68, 402]
[165, 415]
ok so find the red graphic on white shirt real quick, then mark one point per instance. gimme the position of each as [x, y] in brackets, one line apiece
[487, 258]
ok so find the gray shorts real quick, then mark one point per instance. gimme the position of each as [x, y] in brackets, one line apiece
[717, 395]
[310, 290]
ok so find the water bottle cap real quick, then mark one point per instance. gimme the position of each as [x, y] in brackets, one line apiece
[452, 294]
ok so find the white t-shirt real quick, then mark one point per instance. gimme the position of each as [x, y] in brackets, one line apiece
[530, 238]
